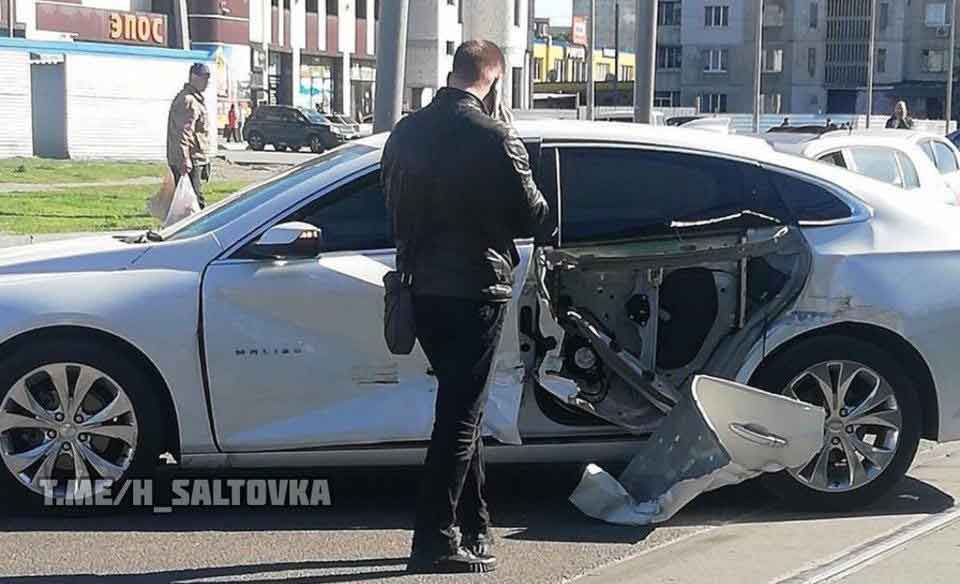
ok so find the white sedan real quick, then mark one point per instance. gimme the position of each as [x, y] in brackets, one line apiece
[250, 334]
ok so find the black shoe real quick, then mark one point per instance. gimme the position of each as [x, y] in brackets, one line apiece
[479, 544]
[459, 562]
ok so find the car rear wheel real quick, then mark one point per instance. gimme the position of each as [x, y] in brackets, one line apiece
[73, 410]
[316, 144]
[873, 423]
[280, 147]
[255, 140]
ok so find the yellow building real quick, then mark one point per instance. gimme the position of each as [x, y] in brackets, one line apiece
[557, 61]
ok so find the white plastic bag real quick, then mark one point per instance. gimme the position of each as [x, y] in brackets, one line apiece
[184, 202]
[159, 204]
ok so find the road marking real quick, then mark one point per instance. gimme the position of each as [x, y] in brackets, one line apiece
[874, 550]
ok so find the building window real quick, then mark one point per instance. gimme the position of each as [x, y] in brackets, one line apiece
[668, 13]
[936, 14]
[601, 71]
[716, 16]
[713, 103]
[812, 61]
[814, 15]
[451, 47]
[538, 68]
[881, 60]
[626, 73]
[715, 61]
[516, 12]
[884, 16]
[772, 103]
[772, 60]
[333, 9]
[312, 6]
[772, 15]
[669, 57]
[451, 2]
[666, 99]
[459, 11]
[361, 8]
[932, 60]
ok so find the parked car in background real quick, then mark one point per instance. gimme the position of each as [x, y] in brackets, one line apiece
[891, 156]
[941, 151]
[286, 127]
[728, 259]
[348, 128]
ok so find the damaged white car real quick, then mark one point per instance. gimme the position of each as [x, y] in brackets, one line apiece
[250, 335]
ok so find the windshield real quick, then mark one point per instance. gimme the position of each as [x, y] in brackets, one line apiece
[313, 116]
[217, 215]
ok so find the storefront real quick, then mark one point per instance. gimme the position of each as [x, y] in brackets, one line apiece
[319, 78]
[363, 75]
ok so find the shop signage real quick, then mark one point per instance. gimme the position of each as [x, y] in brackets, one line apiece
[579, 30]
[137, 28]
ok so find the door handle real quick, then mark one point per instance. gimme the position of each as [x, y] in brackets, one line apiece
[758, 436]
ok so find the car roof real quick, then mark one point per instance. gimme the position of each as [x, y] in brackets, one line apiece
[836, 140]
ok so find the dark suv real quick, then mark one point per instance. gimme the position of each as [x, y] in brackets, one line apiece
[291, 127]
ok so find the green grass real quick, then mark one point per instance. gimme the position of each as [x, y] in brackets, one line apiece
[89, 209]
[46, 171]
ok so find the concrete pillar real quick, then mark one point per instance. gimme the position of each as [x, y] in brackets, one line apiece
[347, 101]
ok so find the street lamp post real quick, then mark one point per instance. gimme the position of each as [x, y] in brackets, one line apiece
[646, 65]
[391, 59]
[870, 59]
[757, 65]
[950, 60]
[591, 86]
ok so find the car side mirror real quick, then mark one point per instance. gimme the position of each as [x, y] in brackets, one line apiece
[294, 240]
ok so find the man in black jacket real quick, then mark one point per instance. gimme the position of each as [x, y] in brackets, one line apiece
[459, 186]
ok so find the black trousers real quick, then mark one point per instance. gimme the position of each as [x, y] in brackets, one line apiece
[459, 337]
[196, 180]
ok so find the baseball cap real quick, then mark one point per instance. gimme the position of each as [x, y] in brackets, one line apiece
[200, 70]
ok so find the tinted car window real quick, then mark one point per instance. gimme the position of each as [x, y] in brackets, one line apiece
[946, 159]
[268, 115]
[223, 212]
[927, 147]
[910, 178]
[615, 193]
[878, 163]
[834, 158]
[808, 201]
[353, 218]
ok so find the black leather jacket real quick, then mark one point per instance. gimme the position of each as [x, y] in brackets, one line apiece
[459, 187]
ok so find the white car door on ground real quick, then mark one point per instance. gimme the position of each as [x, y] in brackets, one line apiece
[295, 351]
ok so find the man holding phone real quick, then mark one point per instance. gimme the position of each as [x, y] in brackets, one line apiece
[458, 184]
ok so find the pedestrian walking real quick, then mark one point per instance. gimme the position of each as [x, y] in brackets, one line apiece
[187, 127]
[900, 120]
[459, 187]
[232, 124]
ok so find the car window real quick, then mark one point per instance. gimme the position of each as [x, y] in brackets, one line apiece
[878, 163]
[615, 193]
[927, 147]
[834, 158]
[807, 201]
[268, 115]
[946, 159]
[223, 212]
[292, 117]
[911, 180]
[353, 218]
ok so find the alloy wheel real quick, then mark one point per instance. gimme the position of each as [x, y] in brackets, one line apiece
[862, 429]
[63, 422]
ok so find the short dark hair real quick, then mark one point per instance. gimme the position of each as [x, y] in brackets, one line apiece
[474, 58]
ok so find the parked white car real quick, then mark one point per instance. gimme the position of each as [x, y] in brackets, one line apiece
[892, 156]
[250, 334]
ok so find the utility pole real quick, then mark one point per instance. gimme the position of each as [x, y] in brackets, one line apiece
[646, 65]
[950, 60]
[616, 45]
[870, 60]
[758, 64]
[391, 60]
[591, 32]
[10, 19]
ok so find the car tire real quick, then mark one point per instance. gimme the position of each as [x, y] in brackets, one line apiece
[280, 147]
[794, 372]
[316, 145]
[255, 141]
[118, 387]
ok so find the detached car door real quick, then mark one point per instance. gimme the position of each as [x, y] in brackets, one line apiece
[295, 351]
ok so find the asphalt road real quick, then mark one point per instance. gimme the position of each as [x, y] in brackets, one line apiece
[739, 534]
[266, 157]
